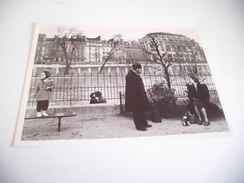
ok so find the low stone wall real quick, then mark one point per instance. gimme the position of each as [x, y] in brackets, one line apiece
[84, 111]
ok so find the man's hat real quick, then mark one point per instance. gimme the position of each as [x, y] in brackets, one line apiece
[136, 66]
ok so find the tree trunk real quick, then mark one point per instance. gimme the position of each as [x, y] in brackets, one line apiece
[67, 69]
[167, 78]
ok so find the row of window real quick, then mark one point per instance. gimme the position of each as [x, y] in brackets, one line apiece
[93, 56]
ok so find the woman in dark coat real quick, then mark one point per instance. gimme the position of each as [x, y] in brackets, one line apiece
[136, 100]
[198, 95]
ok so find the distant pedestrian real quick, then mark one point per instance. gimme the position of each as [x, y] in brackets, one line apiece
[100, 97]
[93, 99]
[136, 100]
[43, 93]
[97, 97]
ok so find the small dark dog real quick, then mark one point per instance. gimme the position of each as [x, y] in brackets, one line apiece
[187, 119]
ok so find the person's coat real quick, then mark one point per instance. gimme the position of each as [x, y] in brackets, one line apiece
[135, 94]
[202, 93]
[43, 90]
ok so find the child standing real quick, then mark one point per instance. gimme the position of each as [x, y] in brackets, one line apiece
[43, 92]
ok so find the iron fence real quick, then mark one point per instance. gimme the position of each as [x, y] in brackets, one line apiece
[76, 88]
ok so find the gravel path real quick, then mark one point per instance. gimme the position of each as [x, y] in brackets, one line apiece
[116, 126]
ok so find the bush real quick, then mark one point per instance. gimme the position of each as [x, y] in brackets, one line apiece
[159, 93]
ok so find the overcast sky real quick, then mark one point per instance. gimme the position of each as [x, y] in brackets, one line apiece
[128, 33]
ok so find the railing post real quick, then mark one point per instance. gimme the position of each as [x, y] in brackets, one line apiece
[70, 99]
[120, 102]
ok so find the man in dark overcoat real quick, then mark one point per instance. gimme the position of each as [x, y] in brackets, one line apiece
[136, 100]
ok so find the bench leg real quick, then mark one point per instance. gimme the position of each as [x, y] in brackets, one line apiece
[59, 124]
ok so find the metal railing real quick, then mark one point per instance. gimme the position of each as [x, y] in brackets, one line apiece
[76, 88]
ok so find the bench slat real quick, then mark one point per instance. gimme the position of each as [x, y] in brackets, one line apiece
[55, 115]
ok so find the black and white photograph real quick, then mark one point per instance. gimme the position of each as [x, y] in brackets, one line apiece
[98, 82]
[121, 91]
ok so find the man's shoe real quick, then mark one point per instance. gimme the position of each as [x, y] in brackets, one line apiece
[142, 129]
[148, 126]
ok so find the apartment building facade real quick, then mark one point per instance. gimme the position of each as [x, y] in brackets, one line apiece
[186, 53]
[88, 51]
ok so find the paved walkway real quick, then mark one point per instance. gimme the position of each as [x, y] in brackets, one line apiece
[115, 126]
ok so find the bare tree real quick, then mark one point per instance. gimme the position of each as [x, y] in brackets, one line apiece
[115, 42]
[68, 40]
[159, 57]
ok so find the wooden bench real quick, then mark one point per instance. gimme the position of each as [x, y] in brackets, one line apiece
[55, 115]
